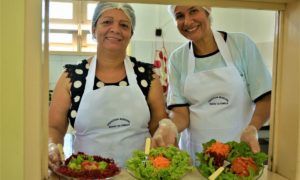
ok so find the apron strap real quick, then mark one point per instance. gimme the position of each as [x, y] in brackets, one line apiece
[131, 76]
[222, 46]
[90, 78]
[92, 71]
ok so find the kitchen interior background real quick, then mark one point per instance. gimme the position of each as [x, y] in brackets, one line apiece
[70, 40]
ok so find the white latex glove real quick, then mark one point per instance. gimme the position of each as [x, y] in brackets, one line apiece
[250, 136]
[54, 160]
[165, 135]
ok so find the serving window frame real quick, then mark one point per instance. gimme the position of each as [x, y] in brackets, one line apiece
[284, 158]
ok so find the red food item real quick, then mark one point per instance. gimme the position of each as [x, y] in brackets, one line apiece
[242, 165]
[90, 170]
[87, 165]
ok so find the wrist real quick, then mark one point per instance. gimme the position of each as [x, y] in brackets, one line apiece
[51, 144]
[251, 129]
[169, 123]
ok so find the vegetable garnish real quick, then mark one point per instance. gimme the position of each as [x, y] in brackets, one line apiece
[241, 166]
[244, 164]
[219, 151]
[160, 162]
[219, 148]
[164, 163]
[83, 166]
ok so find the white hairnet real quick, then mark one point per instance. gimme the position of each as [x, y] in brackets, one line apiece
[101, 7]
[171, 10]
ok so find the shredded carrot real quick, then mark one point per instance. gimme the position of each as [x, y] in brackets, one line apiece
[160, 162]
[219, 148]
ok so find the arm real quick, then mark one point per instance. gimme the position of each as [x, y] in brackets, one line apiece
[168, 129]
[58, 110]
[167, 132]
[259, 81]
[58, 122]
[262, 112]
[156, 104]
[260, 116]
[180, 117]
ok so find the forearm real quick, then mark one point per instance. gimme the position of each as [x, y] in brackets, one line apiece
[262, 112]
[56, 136]
[260, 116]
[156, 102]
[180, 117]
[152, 128]
[154, 122]
[58, 126]
[55, 157]
[58, 110]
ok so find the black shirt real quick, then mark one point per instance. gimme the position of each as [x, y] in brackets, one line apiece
[77, 74]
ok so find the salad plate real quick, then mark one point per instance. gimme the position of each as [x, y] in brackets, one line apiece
[243, 163]
[162, 163]
[81, 166]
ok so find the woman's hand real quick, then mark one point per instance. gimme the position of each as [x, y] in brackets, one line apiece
[54, 159]
[250, 136]
[165, 135]
[259, 118]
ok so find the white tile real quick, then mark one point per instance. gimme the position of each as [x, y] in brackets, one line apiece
[55, 70]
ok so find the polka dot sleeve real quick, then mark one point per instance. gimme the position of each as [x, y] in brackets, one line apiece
[77, 74]
[144, 72]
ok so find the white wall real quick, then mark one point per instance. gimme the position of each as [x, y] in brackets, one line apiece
[259, 25]
[56, 63]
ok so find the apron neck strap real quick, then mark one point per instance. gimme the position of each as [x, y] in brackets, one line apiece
[223, 49]
[131, 76]
[92, 71]
[91, 75]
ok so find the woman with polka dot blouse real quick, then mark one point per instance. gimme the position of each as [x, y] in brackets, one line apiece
[113, 101]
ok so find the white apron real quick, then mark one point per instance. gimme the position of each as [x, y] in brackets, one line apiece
[220, 104]
[112, 121]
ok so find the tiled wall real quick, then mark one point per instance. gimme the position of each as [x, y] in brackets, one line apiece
[142, 50]
[56, 63]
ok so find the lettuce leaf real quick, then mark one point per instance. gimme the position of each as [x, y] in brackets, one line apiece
[180, 164]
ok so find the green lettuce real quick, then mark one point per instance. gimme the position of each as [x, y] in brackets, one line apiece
[141, 169]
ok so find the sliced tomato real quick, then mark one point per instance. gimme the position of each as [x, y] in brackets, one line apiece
[242, 165]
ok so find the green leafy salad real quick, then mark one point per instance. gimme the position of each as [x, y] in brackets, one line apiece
[244, 164]
[167, 163]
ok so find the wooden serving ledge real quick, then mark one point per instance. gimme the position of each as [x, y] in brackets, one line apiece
[194, 175]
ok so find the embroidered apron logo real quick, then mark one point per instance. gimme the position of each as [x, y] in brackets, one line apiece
[218, 100]
[118, 122]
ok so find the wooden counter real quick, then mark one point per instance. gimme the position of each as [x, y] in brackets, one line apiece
[194, 175]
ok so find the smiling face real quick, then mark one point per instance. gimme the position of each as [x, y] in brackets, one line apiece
[192, 22]
[113, 30]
